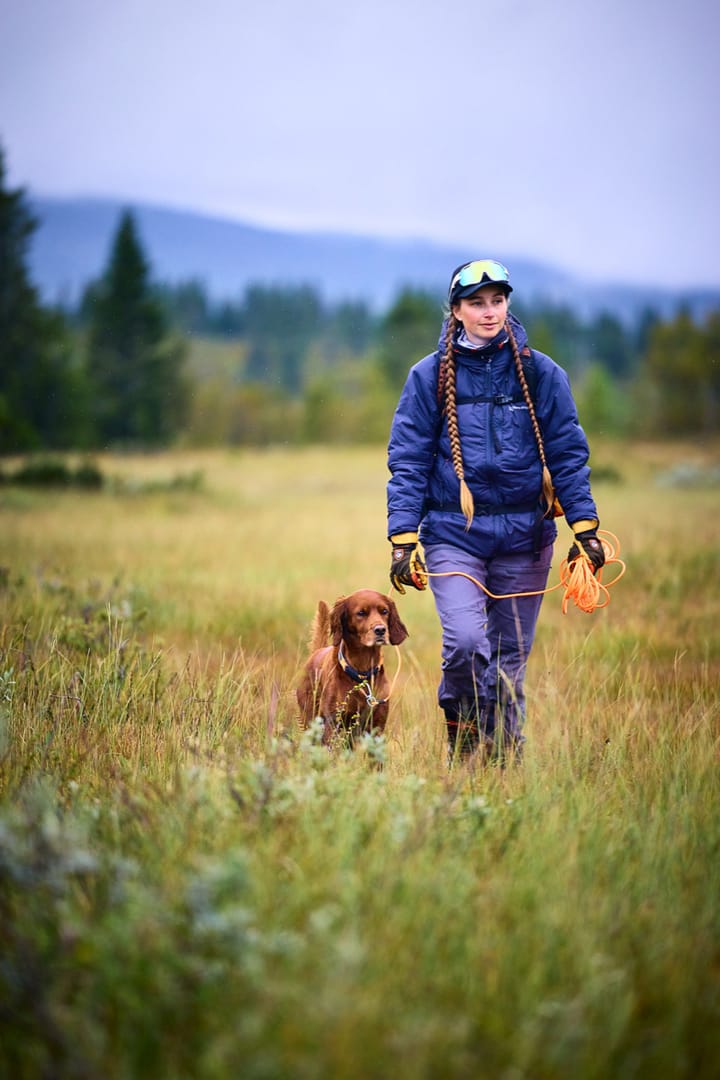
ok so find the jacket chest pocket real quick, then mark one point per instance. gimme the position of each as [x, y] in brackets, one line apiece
[508, 423]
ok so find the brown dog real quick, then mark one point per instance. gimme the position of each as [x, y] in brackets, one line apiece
[344, 682]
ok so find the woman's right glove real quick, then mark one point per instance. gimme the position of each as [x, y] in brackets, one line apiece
[407, 566]
[588, 544]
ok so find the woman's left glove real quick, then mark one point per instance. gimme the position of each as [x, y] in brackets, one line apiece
[588, 544]
[407, 566]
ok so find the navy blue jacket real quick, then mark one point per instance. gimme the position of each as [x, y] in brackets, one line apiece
[500, 454]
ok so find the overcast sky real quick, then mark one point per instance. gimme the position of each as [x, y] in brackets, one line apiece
[580, 133]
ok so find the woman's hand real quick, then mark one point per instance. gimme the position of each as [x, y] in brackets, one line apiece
[588, 544]
[407, 566]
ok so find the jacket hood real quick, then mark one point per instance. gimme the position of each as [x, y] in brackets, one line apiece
[493, 346]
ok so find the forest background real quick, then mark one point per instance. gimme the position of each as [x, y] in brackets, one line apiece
[140, 363]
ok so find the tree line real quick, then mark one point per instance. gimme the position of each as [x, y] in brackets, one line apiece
[131, 364]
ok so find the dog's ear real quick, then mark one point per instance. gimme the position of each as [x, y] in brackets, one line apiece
[396, 627]
[337, 620]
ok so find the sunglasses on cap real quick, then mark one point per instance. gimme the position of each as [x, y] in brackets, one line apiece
[480, 272]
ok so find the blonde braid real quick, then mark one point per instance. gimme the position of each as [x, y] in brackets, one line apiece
[451, 325]
[446, 390]
[547, 485]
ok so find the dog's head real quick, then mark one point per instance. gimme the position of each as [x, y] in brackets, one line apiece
[367, 618]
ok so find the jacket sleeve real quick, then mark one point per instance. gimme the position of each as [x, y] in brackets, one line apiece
[412, 447]
[566, 446]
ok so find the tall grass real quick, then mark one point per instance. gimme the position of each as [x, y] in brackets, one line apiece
[192, 887]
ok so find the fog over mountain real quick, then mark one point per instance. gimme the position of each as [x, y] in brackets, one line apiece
[72, 244]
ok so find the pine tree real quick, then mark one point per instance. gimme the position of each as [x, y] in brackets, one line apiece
[40, 389]
[408, 332]
[280, 324]
[134, 366]
[682, 365]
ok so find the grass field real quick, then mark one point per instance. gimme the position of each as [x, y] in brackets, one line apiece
[189, 887]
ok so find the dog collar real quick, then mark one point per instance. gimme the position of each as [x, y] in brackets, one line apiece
[352, 672]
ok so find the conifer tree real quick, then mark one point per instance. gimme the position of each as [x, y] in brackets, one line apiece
[409, 331]
[280, 323]
[682, 365]
[40, 390]
[134, 366]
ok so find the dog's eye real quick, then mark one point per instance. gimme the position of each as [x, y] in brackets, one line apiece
[384, 611]
[362, 613]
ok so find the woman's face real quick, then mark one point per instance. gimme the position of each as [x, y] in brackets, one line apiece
[483, 314]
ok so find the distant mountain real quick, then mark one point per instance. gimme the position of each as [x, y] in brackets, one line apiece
[72, 244]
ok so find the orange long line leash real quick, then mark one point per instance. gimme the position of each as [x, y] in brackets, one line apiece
[585, 589]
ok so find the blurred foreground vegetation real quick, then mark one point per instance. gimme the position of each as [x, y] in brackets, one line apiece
[191, 887]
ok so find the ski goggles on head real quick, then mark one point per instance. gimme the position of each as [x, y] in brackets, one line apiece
[474, 275]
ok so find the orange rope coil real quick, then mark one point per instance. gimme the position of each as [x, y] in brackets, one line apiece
[584, 588]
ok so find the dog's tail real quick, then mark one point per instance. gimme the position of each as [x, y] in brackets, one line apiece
[320, 634]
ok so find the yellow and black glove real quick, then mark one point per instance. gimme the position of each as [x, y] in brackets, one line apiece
[588, 544]
[407, 566]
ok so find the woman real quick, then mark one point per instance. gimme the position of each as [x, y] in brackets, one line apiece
[485, 429]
